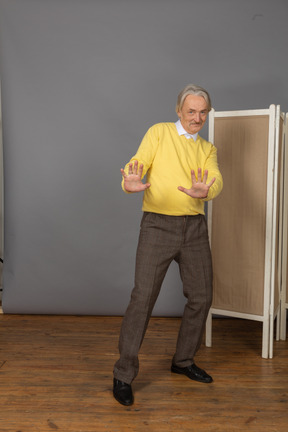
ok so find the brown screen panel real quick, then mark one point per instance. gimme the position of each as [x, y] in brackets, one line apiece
[239, 214]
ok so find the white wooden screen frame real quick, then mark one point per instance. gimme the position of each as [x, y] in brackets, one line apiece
[284, 281]
[1, 201]
[268, 316]
[275, 309]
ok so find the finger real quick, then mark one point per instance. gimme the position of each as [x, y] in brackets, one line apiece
[123, 173]
[130, 169]
[135, 167]
[193, 177]
[205, 176]
[140, 171]
[182, 189]
[199, 175]
[211, 182]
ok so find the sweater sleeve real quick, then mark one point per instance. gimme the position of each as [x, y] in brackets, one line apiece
[211, 165]
[146, 151]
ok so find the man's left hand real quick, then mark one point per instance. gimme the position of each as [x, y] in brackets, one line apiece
[199, 187]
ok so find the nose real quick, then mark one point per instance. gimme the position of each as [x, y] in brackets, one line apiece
[197, 117]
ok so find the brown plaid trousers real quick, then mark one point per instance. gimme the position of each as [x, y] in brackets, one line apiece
[163, 239]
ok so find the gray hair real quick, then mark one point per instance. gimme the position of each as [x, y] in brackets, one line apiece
[192, 89]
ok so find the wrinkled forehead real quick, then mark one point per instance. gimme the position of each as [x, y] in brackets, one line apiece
[196, 103]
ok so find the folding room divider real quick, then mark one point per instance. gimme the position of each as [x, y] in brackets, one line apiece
[245, 220]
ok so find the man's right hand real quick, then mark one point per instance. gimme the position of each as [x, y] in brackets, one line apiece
[132, 180]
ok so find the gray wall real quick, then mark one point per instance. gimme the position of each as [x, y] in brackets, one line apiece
[81, 83]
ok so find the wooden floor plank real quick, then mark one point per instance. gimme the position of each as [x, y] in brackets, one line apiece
[56, 374]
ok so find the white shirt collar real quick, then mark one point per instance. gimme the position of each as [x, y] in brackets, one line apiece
[182, 131]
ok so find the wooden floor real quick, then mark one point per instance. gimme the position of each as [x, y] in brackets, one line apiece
[56, 375]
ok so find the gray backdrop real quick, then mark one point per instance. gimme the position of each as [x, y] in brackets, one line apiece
[82, 80]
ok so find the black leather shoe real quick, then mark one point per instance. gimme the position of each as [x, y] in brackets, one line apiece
[193, 372]
[123, 392]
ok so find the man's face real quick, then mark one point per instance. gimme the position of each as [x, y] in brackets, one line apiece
[193, 113]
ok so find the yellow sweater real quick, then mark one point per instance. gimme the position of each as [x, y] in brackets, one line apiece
[168, 160]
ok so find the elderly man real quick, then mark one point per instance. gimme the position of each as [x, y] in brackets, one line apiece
[182, 173]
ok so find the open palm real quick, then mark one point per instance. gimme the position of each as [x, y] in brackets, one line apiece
[199, 188]
[132, 180]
